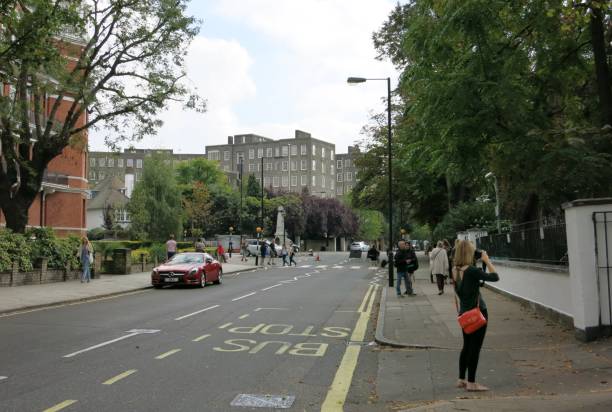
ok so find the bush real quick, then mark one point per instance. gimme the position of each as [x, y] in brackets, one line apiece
[61, 253]
[14, 247]
[465, 216]
[96, 234]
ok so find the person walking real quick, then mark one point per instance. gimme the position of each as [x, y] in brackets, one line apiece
[292, 256]
[272, 254]
[449, 254]
[284, 255]
[405, 259]
[438, 263]
[467, 279]
[199, 245]
[243, 251]
[230, 246]
[263, 251]
[221, 253]
[170, 247]
[86, 257]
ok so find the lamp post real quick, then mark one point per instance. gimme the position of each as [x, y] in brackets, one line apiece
[231, 229]
[491, 175]
[258, 230]
[390, 177]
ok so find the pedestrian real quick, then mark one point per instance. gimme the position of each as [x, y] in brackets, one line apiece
[221, 253]
[263, 252]
[170, 247]
[292, 256]
[438, 262]
[243, 251]
[449, 254]
[230, 247]
[272, 254]
[284, 255]
[373, 254]
[467, 288]
[428, 250]
[199, 245]
[406, 263]
[86, 256]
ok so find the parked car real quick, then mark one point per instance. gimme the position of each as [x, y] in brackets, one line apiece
[361, 246]
[253, 247]
[188, 269]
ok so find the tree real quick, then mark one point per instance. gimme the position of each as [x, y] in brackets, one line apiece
[202, 171]
[77, 65]
[198, 206]
[108, 216]
[371, 224]
[253, 188]
[155, 206]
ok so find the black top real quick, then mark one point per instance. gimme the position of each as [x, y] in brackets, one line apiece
[402, 257]
[468, 288]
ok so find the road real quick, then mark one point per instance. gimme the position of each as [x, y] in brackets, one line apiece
[275, 337]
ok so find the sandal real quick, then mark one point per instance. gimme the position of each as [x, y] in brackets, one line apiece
[475, 387]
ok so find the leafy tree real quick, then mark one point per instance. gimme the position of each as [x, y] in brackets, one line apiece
[371, 224]
[253, 188]
[108, 216]
[198, 205]
[155, 206]
[106, 64]
[202, 171]
[465, 216]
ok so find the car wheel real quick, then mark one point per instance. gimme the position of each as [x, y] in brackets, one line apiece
[203, 280]
[219, 278]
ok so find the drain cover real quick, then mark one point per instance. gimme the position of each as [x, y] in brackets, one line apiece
[263, 401]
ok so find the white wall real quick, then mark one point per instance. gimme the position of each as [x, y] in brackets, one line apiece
[94, 219]
[546, 286]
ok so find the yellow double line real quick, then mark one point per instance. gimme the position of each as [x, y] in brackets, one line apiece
[336, 395]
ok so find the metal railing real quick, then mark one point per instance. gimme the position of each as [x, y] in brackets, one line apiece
[535, 242]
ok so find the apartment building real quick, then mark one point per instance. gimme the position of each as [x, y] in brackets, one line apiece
[289, 165]
[346, 171]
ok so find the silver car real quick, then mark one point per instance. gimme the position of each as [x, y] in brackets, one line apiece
[361, 246]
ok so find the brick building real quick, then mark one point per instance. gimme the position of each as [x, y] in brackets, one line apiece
[61, 203]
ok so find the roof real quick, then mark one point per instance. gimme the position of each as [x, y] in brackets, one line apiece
[112, 182]
[108, 192]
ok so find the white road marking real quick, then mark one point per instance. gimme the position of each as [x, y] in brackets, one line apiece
[355, 267]
[225, 325]
[306, 266]
[273, 286]
[245, 296]
[322, 267]
[244, 316]
[131, 333]
[337, 267]
[3, 378]
[258, 309]
[195, 313]
[201, 338]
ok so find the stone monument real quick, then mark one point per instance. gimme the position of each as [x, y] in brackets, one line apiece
[280, 233]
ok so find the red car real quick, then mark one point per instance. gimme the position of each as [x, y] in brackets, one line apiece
[188, 269]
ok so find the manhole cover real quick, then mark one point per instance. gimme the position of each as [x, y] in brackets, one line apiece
[263, 401]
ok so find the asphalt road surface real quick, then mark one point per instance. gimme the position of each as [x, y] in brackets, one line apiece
[270, 339]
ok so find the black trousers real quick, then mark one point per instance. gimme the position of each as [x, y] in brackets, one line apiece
[440, 280]
[472, 343]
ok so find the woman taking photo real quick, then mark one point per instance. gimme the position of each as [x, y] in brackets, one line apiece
[467, 279]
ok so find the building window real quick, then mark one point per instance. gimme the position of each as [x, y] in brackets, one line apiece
[226, 168]
[323, 152]
[102, 162]
[260, 153]
[285, 181]
[314, 181]
[214, 155]
[294, 180]
[285, 151]
[347, 163]
[314, 150]
[119, 162]
[348, 188]
[322, 181]
[252, 167]
[303, 164]
[293, 165]
[239, 156]
[331, 155]
[314, 165]
[349, 177]
[266, 180]
[332, 184]
[275, 165]
[111, 162]
[285, 165]
[226, 155]
[331, 169]
[92, 162]
[258, 181]
[339, 164]
[303, 150]
[251, 154]
[277, 151]
[294, 150]
[92, 175]
[339, 177]
[339, 190]
[275, 181]
[101, 175]
[268, 166]
[322, 167]
[303, 180]
[269, 152]
[138, 163]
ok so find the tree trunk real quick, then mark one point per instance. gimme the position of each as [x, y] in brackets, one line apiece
[15, 211]
[604, 84]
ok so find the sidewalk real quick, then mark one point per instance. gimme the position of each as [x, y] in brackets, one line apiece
[528, 362]
[29, 297]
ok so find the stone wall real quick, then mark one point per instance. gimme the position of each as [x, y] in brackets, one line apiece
[37, 276]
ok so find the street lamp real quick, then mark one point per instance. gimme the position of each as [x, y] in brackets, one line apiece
[390, 201]
[258, 230]
[231, 229]
[490, 175]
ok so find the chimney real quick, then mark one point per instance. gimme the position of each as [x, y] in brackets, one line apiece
[230, 139]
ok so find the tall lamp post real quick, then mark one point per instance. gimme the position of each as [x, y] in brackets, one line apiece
[390, 201]
[490, 175]
[230, 244]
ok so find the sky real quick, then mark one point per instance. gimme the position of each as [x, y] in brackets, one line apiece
[270, 67]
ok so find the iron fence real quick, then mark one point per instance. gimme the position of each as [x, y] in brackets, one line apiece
[535, 242]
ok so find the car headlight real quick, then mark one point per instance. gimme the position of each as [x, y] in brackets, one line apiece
[193, 271]
[155, 272]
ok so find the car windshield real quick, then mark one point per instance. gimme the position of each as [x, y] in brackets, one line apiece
[183, 258]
